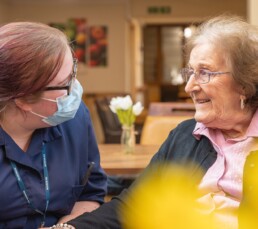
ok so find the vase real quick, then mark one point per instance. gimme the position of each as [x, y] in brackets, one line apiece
[128, 138]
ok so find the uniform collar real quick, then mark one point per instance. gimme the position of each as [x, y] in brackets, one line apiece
[51, 133]
[40, 136]
[48, 134]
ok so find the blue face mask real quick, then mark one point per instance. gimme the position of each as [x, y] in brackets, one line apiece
[67, 106]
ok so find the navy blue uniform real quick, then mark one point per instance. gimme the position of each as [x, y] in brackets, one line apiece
[70, 148]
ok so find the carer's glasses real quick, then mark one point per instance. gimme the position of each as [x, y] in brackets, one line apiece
[68, 87]
[201, 76]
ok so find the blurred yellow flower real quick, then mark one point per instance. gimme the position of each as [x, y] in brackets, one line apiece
[165, 198]
[249, 206]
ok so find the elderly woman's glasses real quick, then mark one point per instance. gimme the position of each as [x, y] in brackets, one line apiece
[68, 87]
[202, 76]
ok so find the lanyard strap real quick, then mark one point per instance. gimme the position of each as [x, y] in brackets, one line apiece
[46, 179]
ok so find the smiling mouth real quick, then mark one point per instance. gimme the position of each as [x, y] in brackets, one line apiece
[201, 101]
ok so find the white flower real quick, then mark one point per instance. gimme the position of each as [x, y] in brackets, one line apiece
[123, 103]
[137, 108]
[115, 103]
[125, 110]
[126, 102]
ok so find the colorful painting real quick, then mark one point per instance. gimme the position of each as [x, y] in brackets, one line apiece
[76, 31]
[98, 46]
[89, 45]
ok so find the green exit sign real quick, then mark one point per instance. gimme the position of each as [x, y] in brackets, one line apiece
[159, 10]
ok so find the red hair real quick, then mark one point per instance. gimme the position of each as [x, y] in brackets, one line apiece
[31, 54]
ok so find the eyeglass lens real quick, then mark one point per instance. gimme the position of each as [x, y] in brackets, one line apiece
[70, 83]
[201, 76]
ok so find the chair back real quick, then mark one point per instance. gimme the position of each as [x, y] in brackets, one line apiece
[156, 128]
[109, 121]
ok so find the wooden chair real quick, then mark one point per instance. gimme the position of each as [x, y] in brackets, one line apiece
[156, 128]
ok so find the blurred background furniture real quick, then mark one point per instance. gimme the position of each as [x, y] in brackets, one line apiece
[157, 128]
[162, 118]
[115, 162]
[171, 108]
[109, 121]
[112, 134]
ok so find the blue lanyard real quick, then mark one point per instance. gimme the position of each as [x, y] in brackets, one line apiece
[23, 189]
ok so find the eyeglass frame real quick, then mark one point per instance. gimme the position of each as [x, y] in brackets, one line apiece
[70, 83]
[197, 75]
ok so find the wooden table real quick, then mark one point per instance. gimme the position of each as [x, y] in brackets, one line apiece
[114, 161]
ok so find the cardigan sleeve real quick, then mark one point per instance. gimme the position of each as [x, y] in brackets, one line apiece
[105, 217]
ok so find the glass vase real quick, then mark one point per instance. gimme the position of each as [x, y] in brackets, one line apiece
[128, 138]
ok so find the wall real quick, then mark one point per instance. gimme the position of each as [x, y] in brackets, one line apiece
[2, 12]
[187, 10]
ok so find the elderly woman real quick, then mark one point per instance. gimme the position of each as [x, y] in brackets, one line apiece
[222, 79]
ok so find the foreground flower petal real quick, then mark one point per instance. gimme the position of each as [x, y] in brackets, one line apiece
[165, 199]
